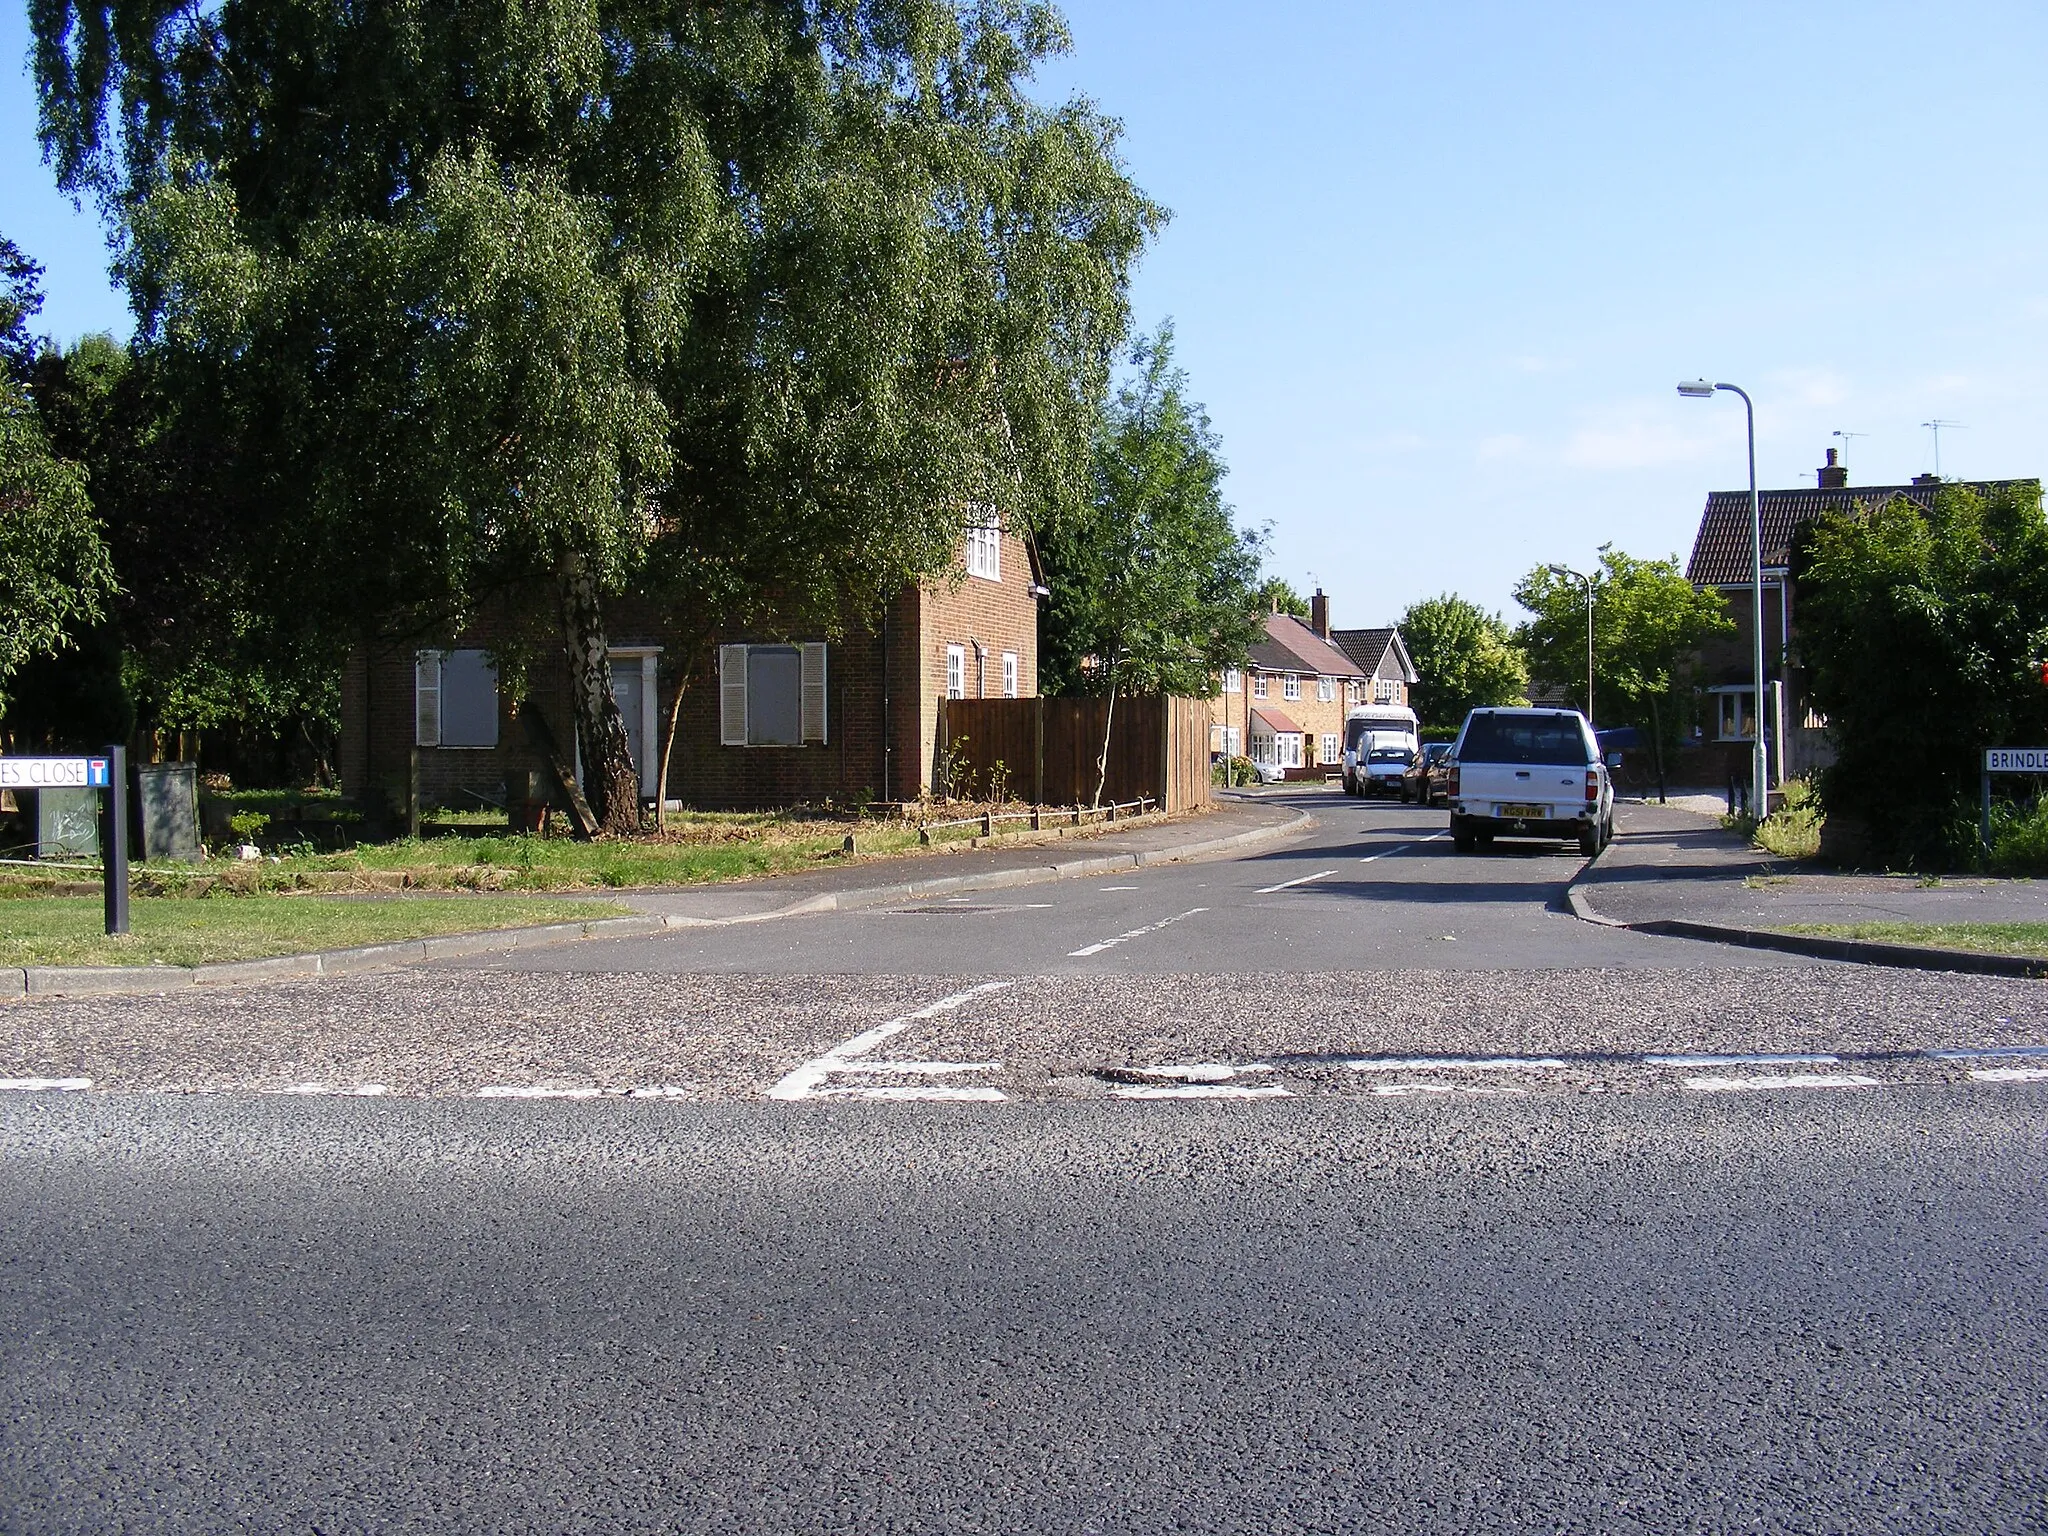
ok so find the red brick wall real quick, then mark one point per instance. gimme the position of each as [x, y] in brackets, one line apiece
[1000, 616]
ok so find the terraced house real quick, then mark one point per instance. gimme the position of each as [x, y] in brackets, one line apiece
[1287, 706]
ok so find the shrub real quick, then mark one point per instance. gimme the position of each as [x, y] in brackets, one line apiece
[2019, 839]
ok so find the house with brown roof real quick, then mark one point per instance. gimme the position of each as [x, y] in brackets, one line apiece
[1383, 656]
[1287, 706]
[1722, 558]
[764, 716]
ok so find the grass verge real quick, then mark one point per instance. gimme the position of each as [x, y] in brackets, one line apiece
[66, 930]
[2029, 939]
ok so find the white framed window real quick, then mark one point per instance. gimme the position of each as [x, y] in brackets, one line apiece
[1233, 741]
[1331, 749]
[1287, 745]
[455, 699]
[1326, 689]
[1735, 715]
[1233, 680]
[985, 552]
[1009, 674]
[771, 695]
[1385, 691]
[1262, 747]
[1258, 685]
[1290, 686]
[956, 671]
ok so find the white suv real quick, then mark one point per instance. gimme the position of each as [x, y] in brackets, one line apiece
[1529, 773]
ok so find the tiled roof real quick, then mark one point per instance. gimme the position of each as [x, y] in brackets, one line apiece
[1720, 551]
[1291, 646]
[1275, 722]
[1369, 647]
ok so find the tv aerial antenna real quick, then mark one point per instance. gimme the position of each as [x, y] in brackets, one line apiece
[1847, 438]
[1935, 426]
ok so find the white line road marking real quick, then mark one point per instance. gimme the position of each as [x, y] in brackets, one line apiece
[912, 1091]
[1201, 1091]
[805, 1081]
[1388, 853]
[1285, 885]
[1462, 1064]
[360, 1091]
[1759, 1084]
[1116, 887]
[1477, 1090]
[2010, 1075]
[1743, 1061]
[522, 1091]
[1203, 1071]
[926, 1067]
[1135, 933]
[44, 1084]
[1986, 1052]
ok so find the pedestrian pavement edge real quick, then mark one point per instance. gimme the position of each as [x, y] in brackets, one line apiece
[1916, 957]
[105, 980]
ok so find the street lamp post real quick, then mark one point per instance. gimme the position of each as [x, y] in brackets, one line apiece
[1565, 570]
[1701, 389]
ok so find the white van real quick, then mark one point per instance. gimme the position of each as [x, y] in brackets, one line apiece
[1388, 728]
[1529, 773]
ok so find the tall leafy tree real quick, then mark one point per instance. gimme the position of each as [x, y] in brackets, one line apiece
[21, 300]
[1466, 658]
[1923, 634]
[1277, 595]
[499, 299]
[1154, 589]
[1648, 625]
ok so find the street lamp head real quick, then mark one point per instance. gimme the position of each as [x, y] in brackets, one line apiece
[1696, 389]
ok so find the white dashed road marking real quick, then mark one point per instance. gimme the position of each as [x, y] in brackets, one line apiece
[45, 1084]
[1388, 853]
[809, 1080]
[1761, 1084]
[1135, 933]
[360, 1091]
[1743, 1061]
[1460, 1064]
[1285, 885]
[2010, 1075]
[1481, 1090]
[1201, 1091]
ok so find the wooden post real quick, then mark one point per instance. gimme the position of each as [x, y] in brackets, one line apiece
[1038, 753]
[412, 792]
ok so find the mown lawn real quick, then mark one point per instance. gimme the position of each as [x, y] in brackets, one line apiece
[1990, 938]
[67, 930]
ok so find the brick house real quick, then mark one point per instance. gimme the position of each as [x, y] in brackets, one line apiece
[1722, 559]
[768, 717]
[1287, 706]
[1383, 656]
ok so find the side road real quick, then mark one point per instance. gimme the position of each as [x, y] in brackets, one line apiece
[1677, 873]
[1237, 824]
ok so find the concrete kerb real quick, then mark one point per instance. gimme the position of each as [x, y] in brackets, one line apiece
[54, 981]
[1914, 957]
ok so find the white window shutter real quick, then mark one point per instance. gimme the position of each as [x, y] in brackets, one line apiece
[426, 699]
[732, 695]
[814, 691]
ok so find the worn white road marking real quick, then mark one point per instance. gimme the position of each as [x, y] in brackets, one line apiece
[1388, 853]
[929, 1068]
[1744, 1061]
[1285, 885]
[1759, 1084]
[899, 1091]
[1460, 1064]
[44, 1084]
[2010, 1075]
[1201, 1091]
[1476, 1090]
[1135, 933]
[806, 1080]
[1203, 1071]
[359, 1091]
[524, 1091]
[1116, 887]
[1986, 1052]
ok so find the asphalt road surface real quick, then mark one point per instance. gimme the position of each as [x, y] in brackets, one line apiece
[1350, 1185]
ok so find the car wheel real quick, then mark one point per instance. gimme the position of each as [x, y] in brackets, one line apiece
[1589, 840]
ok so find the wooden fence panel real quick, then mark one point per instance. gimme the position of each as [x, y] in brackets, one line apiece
[1047, 749]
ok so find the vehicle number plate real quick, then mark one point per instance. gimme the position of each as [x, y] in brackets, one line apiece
[1520, 812]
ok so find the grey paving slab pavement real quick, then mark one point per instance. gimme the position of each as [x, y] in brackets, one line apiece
[1676, 864]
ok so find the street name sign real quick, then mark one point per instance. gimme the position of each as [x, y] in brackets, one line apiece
[54, 773]
[2016, 760]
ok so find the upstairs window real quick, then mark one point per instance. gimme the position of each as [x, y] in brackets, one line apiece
[985, 552]
[1258, 685]
[1326, 689]
[1233, 680]
[1009, 674]
[1290, 686]
[455, 699]
[1386, 691]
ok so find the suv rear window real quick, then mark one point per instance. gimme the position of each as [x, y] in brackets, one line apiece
[1523, 739]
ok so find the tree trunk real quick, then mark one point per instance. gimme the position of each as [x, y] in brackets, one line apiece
[668, 742]
[1108, 720]
[609, 779]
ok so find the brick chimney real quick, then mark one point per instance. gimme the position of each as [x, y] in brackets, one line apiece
[1319, 614]
[1834, 475]
[1927, 479]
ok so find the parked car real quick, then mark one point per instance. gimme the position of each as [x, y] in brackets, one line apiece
[1383, 769]
[1269, 773]
[1529, 773]
[1427, 776]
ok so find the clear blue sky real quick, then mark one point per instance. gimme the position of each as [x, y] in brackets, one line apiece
[1435, 269]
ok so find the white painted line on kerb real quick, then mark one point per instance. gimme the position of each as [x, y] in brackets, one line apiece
[1743, 1061]
[807, 1079]
[1135, 933]
[1765, 1084]
[1201, 1091]
[1461, 1064]
[44, 1084]
[2010, 1075]
[1388, 853]
[1285, 885]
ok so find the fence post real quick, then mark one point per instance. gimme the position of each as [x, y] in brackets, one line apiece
[1038, 752]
